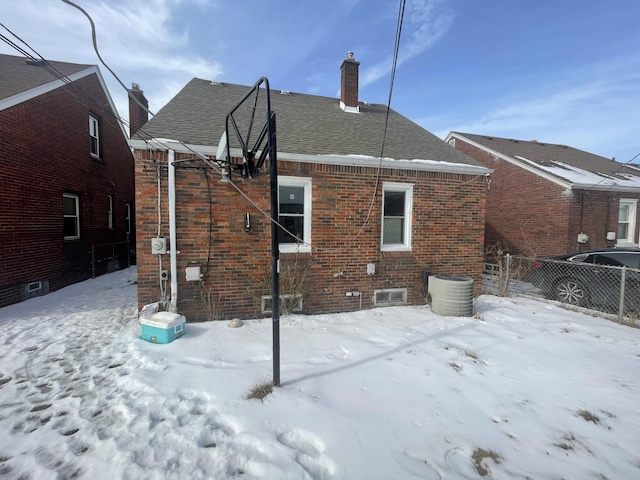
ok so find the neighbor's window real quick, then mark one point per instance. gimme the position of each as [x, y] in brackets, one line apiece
[71, 213]
[110, 197]
[294, 214]
[627, 221]
[94, 134]
[128, 219]
[397, 201]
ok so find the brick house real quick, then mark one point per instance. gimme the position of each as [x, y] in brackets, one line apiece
[369, 227]
[67, 178]
[548, 199]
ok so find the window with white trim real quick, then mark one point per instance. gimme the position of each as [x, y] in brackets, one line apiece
[94, 136]
[110, 220]
[627, 221]
[397, 205]
[71, 214]
[294, 214]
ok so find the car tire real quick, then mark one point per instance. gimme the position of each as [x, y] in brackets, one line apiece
[572, 291]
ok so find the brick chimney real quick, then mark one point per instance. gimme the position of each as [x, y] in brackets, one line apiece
[349, 84]
[138, 116]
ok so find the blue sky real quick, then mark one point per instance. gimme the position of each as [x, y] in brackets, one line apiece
[558, 71]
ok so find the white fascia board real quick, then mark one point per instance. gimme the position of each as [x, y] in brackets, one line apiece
[513, 161]
[344, 160]
[96, 70]
[367, 161]
[165, 144]
[605, 188]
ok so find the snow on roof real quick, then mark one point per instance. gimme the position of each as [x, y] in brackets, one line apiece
[581, 177]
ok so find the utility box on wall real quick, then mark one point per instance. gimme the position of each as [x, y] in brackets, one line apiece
[158, 246]
[192, 274]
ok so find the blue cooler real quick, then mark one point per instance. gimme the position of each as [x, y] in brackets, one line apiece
[162, 327]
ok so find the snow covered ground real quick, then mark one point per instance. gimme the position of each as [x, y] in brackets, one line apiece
[524, 390]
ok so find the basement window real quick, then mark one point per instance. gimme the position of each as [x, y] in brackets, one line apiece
[34, 289]
[390, 296]
[288, 302]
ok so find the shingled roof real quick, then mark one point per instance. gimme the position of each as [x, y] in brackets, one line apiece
[306, 124]
[19, 74]
[576, 168]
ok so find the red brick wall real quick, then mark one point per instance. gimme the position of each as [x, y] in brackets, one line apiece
[529, 215]
[595, 213]
[44, 147]
[447, 236]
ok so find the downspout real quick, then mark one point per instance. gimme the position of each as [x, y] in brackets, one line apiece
[173, 305]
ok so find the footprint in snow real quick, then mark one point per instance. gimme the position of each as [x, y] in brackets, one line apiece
[416, 466]
[309, 453]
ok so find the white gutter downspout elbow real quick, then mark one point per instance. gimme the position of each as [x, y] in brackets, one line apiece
[173, 306]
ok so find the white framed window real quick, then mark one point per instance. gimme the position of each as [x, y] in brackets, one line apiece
[390, 296]
[294, 214]
[128, 219]
[71, 214]
[94, 135]
[397, 205]
[627, 221]
[110, 213]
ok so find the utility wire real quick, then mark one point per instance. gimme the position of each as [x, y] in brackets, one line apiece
[616, 171]
[396, 49]
[215, 167]
[41, 62]
[201, 156]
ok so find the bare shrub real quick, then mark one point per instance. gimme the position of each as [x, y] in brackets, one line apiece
[295, 284]
[260, 391]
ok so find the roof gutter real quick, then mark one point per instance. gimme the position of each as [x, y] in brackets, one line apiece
[424, 165]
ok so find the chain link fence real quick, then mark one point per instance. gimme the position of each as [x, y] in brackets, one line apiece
[612, 290]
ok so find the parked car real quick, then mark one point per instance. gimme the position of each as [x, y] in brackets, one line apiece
[591, 279]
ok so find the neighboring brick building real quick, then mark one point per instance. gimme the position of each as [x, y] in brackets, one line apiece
[548, 199]
[332, 187]
[67, 178]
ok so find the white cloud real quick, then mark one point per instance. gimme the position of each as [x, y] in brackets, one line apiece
[425, 22]
[596, 115]
[139, 40]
